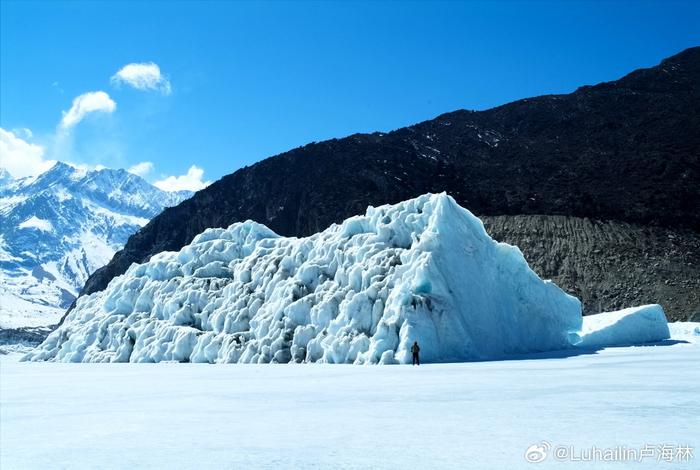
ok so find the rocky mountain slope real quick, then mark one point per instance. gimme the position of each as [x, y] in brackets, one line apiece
[58, 228]
[625, 151]
[609, 265]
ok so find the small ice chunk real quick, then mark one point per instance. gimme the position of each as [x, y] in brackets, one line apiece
[630, 326]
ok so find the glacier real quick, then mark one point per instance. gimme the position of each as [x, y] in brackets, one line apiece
[360, 292]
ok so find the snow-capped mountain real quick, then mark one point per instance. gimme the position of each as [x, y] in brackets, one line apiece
[59, 227]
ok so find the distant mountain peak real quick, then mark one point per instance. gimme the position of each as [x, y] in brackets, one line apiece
[61, 225]
[5, 176]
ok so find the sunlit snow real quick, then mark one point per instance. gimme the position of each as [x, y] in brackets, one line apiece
[475, 415]
[37, 223]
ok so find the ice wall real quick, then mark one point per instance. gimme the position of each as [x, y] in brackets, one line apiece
[361, 292]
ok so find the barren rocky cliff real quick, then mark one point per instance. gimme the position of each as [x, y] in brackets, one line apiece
[610, 265]
[599, 187]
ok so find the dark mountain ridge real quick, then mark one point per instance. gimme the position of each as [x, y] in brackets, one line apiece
[627, 150]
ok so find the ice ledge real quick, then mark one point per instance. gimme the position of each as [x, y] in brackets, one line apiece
[635, 325]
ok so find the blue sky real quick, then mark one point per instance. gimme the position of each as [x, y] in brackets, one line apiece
[250, 80]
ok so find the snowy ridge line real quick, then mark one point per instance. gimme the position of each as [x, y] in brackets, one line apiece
[360, 292]
[58, 228]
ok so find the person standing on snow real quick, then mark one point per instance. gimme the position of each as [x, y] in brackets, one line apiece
[415, 349]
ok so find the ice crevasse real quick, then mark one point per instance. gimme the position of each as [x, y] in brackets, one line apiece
[359, 292]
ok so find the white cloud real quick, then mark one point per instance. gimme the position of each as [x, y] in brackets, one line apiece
[23, 132]
[141, 169]
[144, 76]
[90, 102]
[20, 157]
[57, 86]
[192, 181]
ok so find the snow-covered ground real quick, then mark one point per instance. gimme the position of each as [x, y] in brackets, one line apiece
[477, 415]
[16, 312]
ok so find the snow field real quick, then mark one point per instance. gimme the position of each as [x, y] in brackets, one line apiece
[481, 415]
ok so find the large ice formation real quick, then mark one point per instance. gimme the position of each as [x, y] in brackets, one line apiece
[361, 292]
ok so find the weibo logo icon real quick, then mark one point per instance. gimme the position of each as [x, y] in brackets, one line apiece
[537, 452]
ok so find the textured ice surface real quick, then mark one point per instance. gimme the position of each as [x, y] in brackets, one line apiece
[361, 292]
